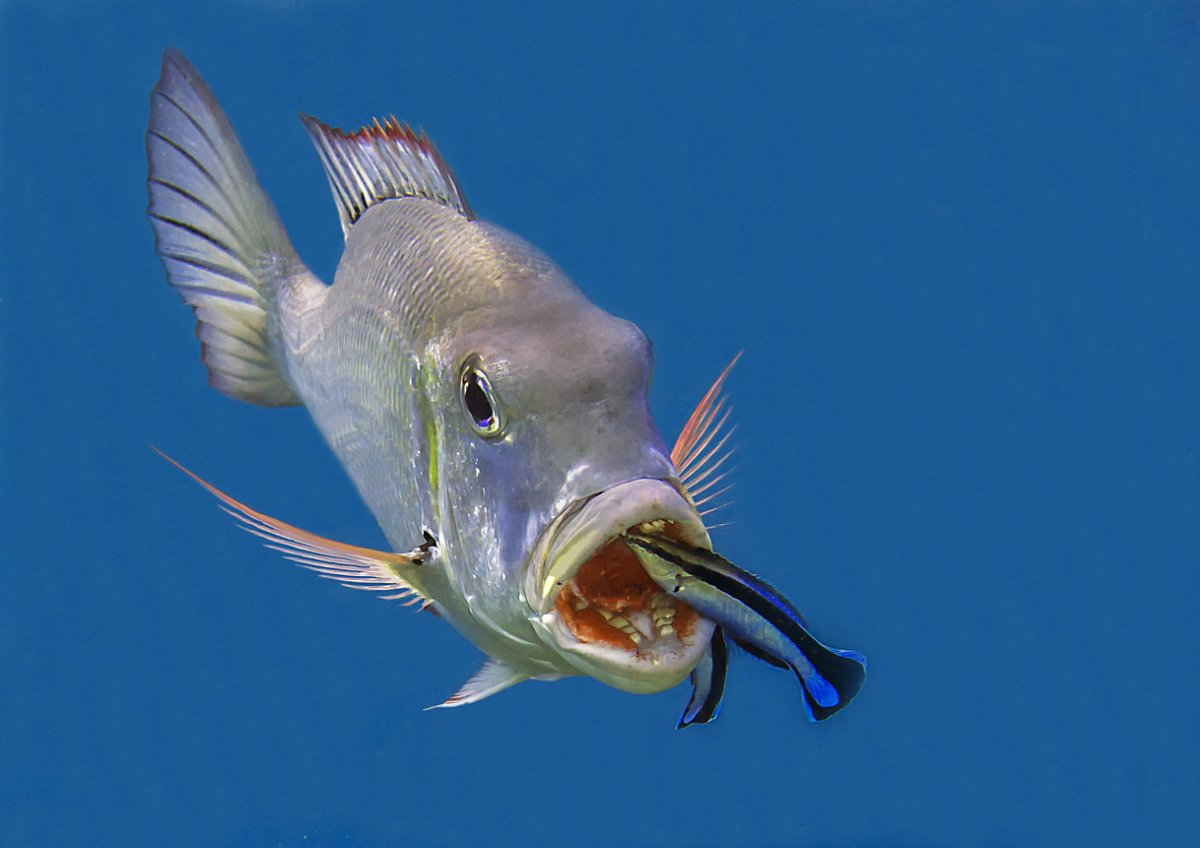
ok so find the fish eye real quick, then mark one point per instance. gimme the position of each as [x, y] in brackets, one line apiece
[480, 400]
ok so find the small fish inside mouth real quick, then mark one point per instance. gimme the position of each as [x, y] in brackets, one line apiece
[612, 600]
[756, 617]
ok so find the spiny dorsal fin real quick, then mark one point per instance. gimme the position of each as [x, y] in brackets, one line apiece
[380, 162]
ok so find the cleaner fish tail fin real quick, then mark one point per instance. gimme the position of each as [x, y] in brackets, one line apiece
[217, 233]
[832, 680]
[829, 677]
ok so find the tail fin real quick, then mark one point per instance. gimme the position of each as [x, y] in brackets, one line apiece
[217, 233]
[839, 677]
[835, 678]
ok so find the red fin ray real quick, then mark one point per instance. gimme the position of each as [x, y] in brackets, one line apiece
[700, 449]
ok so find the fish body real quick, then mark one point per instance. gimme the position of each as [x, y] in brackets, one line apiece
[492, 418]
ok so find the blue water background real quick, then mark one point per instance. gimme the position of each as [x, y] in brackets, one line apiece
[959, 245]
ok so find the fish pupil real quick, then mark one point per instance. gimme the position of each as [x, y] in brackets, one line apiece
[477, 402]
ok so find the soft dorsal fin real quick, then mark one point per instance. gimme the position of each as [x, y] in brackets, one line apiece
[383, 161]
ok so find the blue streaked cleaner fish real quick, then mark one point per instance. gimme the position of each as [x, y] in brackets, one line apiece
[493, 419]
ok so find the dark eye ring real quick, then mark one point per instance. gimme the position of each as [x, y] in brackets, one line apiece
[480, 401]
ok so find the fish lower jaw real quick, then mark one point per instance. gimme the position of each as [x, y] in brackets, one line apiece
[652, 664]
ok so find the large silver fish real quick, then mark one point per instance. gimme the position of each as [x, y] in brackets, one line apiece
[493, 419]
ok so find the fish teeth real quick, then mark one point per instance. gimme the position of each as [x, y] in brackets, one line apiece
[580, 604]
[630, 629]
[664, 614]
[664, 609]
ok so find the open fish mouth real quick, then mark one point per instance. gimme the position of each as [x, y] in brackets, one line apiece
[596, 604]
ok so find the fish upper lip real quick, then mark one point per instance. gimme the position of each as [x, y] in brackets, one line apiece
[572, 537]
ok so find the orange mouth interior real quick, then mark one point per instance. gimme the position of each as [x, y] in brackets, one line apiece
[611, 594]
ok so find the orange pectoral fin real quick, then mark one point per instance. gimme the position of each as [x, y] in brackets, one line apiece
[350, 565]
